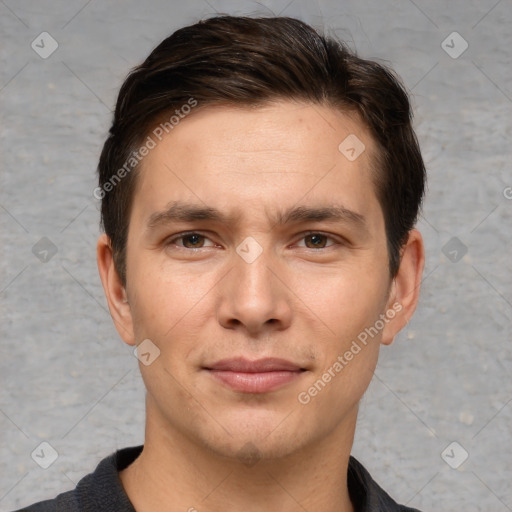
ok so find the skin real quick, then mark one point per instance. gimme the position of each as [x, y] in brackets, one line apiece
[304, 299]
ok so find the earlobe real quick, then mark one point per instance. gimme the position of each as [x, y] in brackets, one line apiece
[405, 289]
[115, 291]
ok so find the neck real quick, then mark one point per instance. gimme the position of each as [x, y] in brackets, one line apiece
[176, 473]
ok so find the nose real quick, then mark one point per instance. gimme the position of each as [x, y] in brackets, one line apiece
[254, 296]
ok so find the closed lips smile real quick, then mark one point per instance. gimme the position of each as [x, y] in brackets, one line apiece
[260, 376]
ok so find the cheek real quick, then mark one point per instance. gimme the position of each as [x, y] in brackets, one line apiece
[347, 359]
[164, 299]
[346, 300]
[333, 393]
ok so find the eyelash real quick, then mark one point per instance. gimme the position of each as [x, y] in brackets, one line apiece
[181, 236]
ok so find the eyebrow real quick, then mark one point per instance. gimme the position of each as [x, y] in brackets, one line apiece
[187, 212]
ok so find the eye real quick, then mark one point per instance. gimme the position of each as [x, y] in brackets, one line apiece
[190, 241]
[317, 241]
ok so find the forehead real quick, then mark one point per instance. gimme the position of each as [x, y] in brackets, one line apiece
[264, 158]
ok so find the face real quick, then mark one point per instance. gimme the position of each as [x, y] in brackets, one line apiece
[256, 263]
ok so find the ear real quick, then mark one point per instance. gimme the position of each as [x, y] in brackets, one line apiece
[115, 291]
[405, 288]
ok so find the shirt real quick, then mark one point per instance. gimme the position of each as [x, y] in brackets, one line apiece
[102, 491]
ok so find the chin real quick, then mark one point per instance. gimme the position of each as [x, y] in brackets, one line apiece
[251, 439]
[250, 451]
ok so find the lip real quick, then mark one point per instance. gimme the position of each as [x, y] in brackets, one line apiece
[267, 364]
[259, 376]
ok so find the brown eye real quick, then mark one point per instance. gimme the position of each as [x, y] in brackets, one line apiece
[193, 241]
[190, 240]
[316, 241]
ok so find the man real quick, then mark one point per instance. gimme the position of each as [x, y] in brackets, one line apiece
[260, 185]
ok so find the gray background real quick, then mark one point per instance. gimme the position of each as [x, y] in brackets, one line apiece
[68, 379]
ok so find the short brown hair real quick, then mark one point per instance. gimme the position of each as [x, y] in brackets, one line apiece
[245, 61]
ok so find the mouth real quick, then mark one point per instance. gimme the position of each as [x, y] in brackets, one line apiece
[260, 376]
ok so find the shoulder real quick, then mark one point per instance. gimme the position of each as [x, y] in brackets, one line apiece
[367, 495]
[99, 490]
[62, 503]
